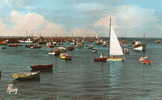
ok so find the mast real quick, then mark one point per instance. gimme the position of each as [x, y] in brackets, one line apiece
[109, 35]
[144, 53]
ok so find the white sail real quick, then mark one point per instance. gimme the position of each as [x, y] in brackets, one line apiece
[115, 48]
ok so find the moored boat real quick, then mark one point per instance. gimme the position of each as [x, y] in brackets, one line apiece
[33, 46]
[4, 42]
[50, 45]
[14, 45]
[57, 51]
[25, 76]
[70, 48]
[65, 56]
[144, 60]
[138, 46]
[94, 50]
[52, 53]
[42, 67]
[28, 40]
[157, 41]
[100, 59]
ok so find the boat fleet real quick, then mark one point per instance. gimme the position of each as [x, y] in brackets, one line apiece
[116, 50]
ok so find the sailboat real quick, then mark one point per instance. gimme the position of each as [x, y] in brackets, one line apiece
[115, 50]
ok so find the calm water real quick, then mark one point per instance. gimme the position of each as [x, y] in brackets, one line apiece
[81, 78]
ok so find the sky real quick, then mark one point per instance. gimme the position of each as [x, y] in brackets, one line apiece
[130, 18]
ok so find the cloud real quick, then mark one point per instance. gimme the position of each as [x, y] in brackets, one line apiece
[83, 32]
[31, 22]
[2, 26]
[130, 19]
[53, 29]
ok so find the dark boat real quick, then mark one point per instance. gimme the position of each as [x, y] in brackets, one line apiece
[26, 76]
[33, 46]
[100, 59]
[70, 48]
[42, 67]
[14, 45]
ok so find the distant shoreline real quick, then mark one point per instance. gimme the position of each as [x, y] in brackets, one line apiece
[68, 37]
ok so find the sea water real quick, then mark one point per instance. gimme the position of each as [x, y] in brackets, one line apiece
[82, 78]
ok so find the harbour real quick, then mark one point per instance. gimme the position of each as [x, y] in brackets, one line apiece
[82, 78]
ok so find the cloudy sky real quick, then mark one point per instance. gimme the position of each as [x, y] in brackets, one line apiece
[130, 18]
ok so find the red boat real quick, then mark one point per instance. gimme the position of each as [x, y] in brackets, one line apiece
[146, 61]
[14, 45]
[3, 42]
[42, 67]
[100, 59]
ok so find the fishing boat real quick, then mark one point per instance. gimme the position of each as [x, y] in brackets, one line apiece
[144, 60]
[25, 76]
[115, 50]
[14, 45]
[70, 48]
[4, 42]
[94, 50]
[28, 40]
[52, 52]
[33, 46]
[42, 67]
[65, 56]
[57, 51]
[50, 45]
[138, 46]
[157, 41]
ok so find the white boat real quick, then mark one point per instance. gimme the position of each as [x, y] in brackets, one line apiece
[138, 46]
[51, 53]
[115, 49]
[26, 41]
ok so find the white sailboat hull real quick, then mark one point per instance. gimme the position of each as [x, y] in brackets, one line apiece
[51, 53]
[140, 48]
[115, 59]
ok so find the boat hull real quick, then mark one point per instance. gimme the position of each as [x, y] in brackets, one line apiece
[115, 59]
[65, 56]
[100, 59]
[140, 48]
[26, 77]
[146, 61]
[42, 67]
